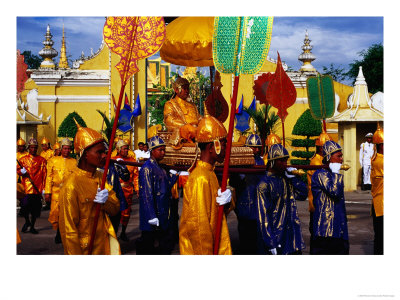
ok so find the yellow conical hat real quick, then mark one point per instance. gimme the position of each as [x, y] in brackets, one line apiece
[323, 137]
[21, 142]
[273, 139]
[85, 137]
[377, 138]
[56, 146]
[210, 129]
[44, 141]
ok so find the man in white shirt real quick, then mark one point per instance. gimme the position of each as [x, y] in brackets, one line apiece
[139, 152]
[146, 152]
[366, 152]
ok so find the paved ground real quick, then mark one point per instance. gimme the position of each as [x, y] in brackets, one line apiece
[357, 205]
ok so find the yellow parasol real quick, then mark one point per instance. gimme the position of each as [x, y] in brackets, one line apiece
[188, 42]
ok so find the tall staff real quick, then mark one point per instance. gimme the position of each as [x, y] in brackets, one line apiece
[250, 37]
[132, 38]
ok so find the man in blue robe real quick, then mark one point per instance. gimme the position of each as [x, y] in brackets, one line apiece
[155, 186]
[277, 192]
[330, 235]
[246, 200]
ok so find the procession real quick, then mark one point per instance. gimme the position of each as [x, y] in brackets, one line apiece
[193, 173]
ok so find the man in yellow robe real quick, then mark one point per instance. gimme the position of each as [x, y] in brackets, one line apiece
[47, 152]
[181, 116]
[58, 169]
[377, 191]
[57, 149]
[202, 195]
[316, 160]
[78, 198]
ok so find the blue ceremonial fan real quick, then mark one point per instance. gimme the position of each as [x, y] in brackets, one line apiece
[124, 120]
[242, 118]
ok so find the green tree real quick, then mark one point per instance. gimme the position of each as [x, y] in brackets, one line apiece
[338, 74]
[33, 61]
[372, 66]
[156, 104]
[68, 127]
[306, 126]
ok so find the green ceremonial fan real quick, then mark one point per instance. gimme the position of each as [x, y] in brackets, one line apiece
[321, 97]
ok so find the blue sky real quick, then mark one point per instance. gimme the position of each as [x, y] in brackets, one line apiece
[336, 40]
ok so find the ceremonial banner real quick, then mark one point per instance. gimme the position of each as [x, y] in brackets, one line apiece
[133, 38]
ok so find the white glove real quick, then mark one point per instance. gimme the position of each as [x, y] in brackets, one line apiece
[23, 171]
[119, 159]
[101, 196]
[173, 172]
[273, 251]
[183, 173]
[290, 169]
[154, 222]
[225, 197]
[335, 167]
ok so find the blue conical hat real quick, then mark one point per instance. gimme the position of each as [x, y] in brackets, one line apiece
[253, 140]
[155, 142]
[329, 148]
[277, 151]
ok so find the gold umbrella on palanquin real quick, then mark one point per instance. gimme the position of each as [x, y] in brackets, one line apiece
[188, 42]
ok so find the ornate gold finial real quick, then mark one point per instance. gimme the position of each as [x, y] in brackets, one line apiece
[63, 64]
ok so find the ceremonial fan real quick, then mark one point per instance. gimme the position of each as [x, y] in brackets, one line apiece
[240, 46]
[280, 93]
[321, 97]
[132, 38]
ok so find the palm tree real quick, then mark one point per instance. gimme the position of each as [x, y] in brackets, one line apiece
[265, 121]
[109, 125]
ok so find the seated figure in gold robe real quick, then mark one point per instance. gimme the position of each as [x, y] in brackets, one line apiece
[181, 116]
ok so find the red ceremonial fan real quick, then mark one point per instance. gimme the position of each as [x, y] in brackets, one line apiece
[260, 87]
[281, 93]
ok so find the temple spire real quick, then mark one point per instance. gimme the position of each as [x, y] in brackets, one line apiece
[48, 52]
[307, 57]
[63, 64]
